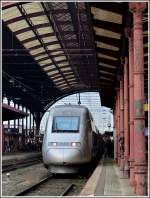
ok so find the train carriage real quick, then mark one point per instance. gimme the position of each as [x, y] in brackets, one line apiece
[70, 140]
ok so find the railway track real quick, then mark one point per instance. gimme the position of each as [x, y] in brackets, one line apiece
[66, 189]
[33, 187]
[21, 164]
[22, 182]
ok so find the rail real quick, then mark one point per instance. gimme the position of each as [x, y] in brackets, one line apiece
[21, 164]
[33, 187]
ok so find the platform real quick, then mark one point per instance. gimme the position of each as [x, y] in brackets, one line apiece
[106, 180]
[6, 158]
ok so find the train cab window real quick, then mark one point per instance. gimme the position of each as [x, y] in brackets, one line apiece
[64, 124]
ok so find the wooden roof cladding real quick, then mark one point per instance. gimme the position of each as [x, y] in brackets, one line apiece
[59, 37]
[108, 29]
[109, 24]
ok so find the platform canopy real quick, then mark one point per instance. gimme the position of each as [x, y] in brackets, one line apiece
[11, 113]
[54, 49]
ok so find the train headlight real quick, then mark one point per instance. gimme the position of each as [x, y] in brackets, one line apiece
[75, 144]
[52, 143]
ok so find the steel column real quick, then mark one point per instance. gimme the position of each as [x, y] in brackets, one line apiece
[8, 99]
[33, 124]
[18, 119]
[122, 123]
[22, 122]
[2, 135]
[23, 132]
[26, 122]
[126, 119]
[115, 136]
[139, 120]
[30, 123]
[118, 125]
[14, 119]
[131, 108]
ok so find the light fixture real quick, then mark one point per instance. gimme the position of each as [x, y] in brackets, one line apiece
[75, 144]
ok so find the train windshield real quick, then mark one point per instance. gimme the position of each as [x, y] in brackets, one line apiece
[63, 124]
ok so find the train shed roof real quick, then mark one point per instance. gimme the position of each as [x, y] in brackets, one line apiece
[53, 49]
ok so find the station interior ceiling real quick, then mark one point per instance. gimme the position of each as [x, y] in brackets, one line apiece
[54, 49]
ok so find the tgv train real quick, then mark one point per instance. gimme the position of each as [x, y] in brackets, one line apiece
[70, 140]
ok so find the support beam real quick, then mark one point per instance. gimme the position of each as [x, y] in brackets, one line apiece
[131, 108]
[8, 99]
[118, 125]
[139, 120]
[26, 122]
[115, 135]
[14, 119]
[126, 120]
[122, 124]
[30, 123]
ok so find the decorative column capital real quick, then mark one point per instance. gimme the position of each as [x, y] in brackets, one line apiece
[137, 6]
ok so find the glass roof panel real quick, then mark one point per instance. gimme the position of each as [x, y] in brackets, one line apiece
[68, 73]
[49, 39]
[71, 80]
[106, 46]
[45, 30]
[106, 56]
[10, 13]
[106, 65]
[59, 77]
[66, 69]
[101, 77]
[49, 67]
[18, 25]
[60, 83]
[64, 88]
[41, 56]
[64, 85]
[45, 62]
[55, 53]
[39, 50]
[52, 47]
[53, 72]
[31, 43]
[73, 83]
[105, 15]
[104, 72]
[25, 35]
[33, 7]
[63, 64]
[60, 58]
[39, 20]
[69, 76]
[107, 33]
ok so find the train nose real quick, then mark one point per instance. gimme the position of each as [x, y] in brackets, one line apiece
[64, 156]
[55, 156]
[71, 156]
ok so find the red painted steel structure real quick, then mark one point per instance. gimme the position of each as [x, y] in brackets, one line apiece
[121, 123]
[131, 108]
[116, 136]
[126, 120]
[139, 121]
[118, 125]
